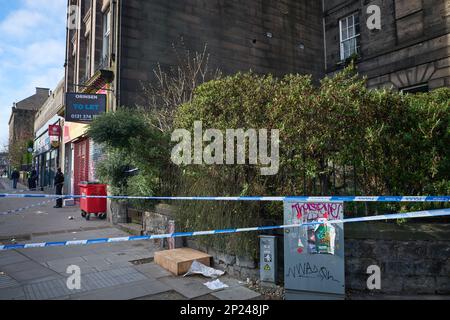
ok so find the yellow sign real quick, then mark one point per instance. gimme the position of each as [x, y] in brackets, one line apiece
[73, 130]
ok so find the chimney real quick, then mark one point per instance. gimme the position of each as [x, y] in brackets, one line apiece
[42, 91]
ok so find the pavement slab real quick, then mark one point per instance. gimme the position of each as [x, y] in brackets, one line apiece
[21, 266]
[108, 271]
[236, 293]
[11, 258]
[7, 282]
[152, 270]
[127, 291]
[12, 293]
[206, 297]
[167, 295]
[45, 290]
[190, 287]
[32, 274]
[108, 266]
[57, 288]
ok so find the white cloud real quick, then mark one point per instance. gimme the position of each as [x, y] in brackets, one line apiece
[47, 5]
[20, 23]
[32, 49]
[47, 52]
[34, 19]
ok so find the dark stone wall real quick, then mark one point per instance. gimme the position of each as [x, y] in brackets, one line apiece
[407, 267]
[414, 258]
[21, 124]
[235, 32]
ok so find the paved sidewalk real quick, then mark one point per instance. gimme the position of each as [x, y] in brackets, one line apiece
[118, 271]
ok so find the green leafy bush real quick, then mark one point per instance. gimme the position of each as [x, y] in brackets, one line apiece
[131, 141]
[337, 138]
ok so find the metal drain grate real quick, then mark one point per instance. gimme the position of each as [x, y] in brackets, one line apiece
[142, 261]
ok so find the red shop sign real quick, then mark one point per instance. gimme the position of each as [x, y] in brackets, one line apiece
[54, 130]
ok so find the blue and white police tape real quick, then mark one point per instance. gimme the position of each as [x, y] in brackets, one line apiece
[15, 211]
[250, 198]
[410, 215]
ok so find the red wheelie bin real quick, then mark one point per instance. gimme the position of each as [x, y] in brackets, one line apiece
[95, 206]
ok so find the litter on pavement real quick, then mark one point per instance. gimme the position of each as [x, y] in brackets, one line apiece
[200, 268]
[215, 285]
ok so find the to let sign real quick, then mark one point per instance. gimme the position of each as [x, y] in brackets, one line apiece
[84, 107]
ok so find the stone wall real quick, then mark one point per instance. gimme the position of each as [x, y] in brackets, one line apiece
[414, 257]
[407, 267]
[157, 222]
[240, 267]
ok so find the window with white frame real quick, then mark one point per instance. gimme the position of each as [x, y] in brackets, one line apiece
[350, 36]
[106, 33]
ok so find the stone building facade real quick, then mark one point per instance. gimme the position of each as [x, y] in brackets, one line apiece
[113, 47]
[47, 152]
[119, 44]
[275, 37]
[410, 52]
[4, 163]
[21, 122]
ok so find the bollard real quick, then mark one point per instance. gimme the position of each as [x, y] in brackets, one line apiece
[268, 260]
[171, 229]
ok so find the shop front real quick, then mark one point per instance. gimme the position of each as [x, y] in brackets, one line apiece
[76, 159]
[47, 153]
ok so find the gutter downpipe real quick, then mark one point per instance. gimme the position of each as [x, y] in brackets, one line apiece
[324, 37]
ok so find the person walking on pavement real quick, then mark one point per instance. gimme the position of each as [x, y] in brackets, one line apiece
[59, 183]
[15, 178]
[32, 180]
[29, 179]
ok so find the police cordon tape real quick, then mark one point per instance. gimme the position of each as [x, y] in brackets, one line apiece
[410, 215]
[252, 198]
[14, 211]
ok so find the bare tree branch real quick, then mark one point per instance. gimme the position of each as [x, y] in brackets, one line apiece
[174, 87]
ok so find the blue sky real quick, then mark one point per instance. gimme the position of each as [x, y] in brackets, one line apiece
[32, 48]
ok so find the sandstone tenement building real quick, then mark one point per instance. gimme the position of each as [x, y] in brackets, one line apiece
[21, 121]
[119, 43]
[411, 52]
[122, 42]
